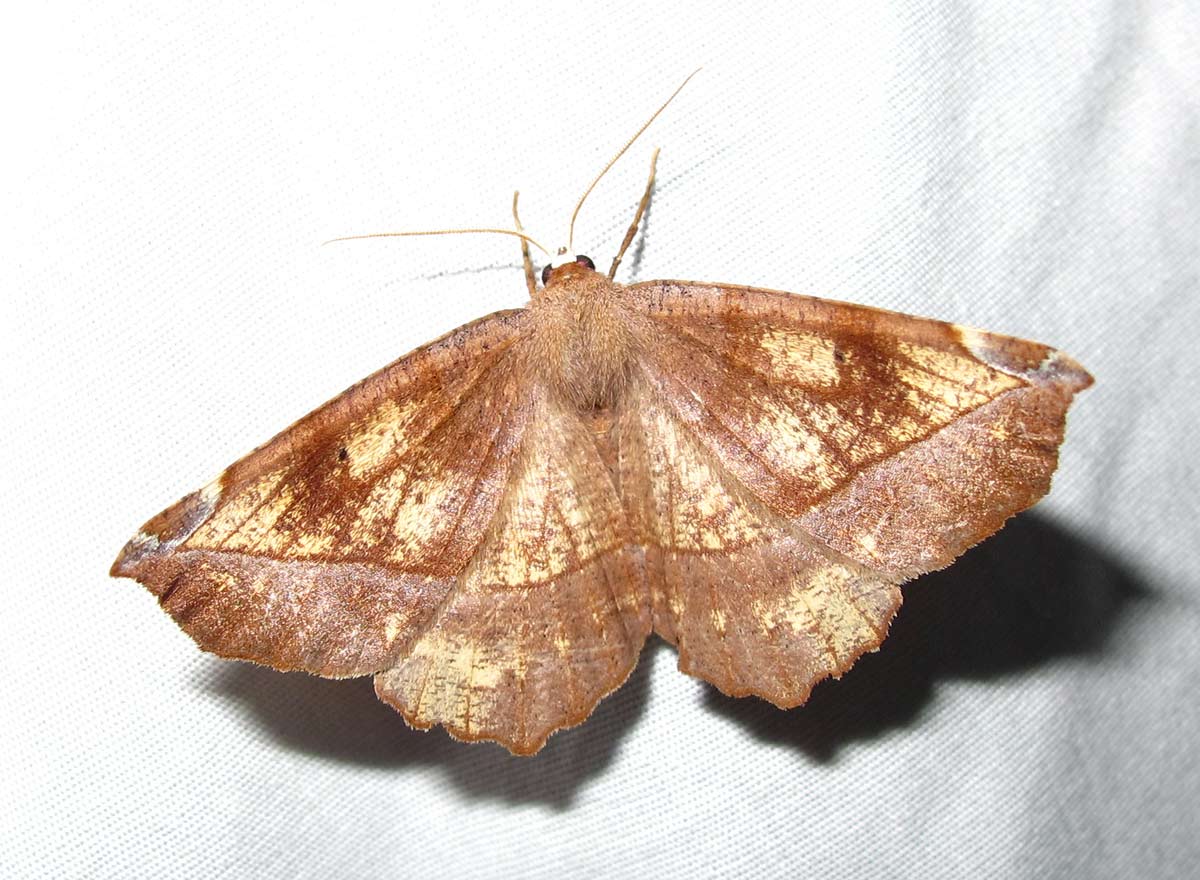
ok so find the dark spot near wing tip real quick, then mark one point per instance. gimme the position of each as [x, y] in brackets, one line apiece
[165, 595]
[343, 454]
[419, 497]
[839, 356]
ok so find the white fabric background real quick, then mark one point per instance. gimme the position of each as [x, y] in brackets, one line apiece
[1030, 168]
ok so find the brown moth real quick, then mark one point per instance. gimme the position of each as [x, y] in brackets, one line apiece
[492, 525]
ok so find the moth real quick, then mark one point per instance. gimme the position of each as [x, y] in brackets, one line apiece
[494, 524]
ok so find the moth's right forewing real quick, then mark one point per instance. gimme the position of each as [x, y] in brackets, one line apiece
[329, 548]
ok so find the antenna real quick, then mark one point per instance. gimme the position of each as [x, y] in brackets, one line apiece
[620, 153]
[517, 233]
[520, 235]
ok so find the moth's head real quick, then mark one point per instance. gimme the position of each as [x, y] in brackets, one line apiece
[565, 269]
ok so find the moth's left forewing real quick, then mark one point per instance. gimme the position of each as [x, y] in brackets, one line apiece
[791, 460]
[899, 441]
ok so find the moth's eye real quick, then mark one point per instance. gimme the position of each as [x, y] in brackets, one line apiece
[585, 261]
[546, 274]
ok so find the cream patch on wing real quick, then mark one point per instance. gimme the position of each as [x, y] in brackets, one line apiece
[316, 542]
[244, 516]
[856, 435]
[378, 511]
[211, 493]
[946, 384]
[694, 510]
[258, 532]
[974, 341]
[397, 623]
[425, 509]
[559, 513]
[411, 514]
[382, 435]
[451, 681]
[827, 603]
[794, 445]
[799, 357]
[407, 513]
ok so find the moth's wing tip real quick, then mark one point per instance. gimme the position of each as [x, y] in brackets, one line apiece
[1066, 372]
[167, 530]
[137, 549]
[1031, 361]
[121, 567]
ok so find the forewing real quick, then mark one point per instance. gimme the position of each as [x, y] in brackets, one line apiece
[899, 441]
[794, 459]
[552, 612]
[330, 548]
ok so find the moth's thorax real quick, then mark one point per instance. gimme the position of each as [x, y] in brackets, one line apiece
[582, 341]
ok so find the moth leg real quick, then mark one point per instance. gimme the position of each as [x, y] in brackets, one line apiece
[637, 218]
[530, 278]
